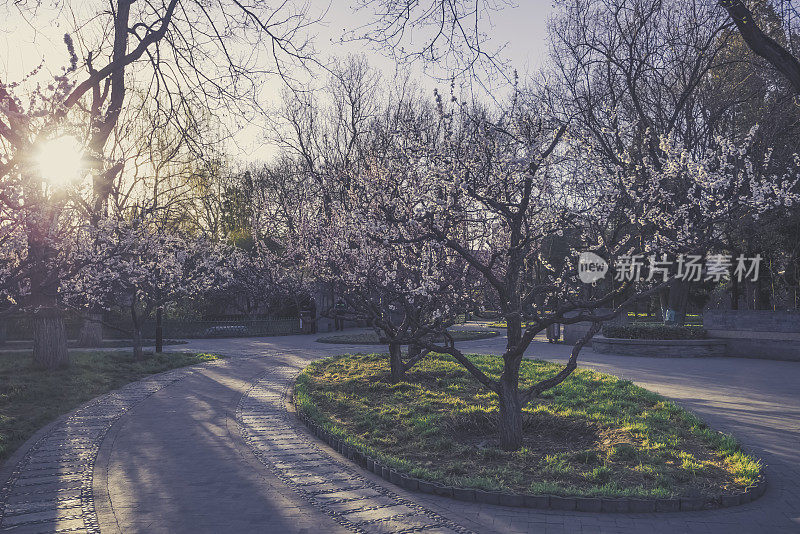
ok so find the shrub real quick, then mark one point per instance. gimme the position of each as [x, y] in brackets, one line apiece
[653, 331]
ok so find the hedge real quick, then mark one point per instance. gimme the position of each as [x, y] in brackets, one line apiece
[653, 331]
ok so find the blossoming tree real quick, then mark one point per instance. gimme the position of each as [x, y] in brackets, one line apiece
[138, 266]
[257, 279]
[409, 292]
[496, 192]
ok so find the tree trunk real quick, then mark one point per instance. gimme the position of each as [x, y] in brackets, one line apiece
[91, 334]
[49, 339]
[138, 354]
[664, 297]
[513, 330]
[678, 299]
[510, 418]
[761, 43]
[762, 296]
[510, 421]
[49, 336]
[159, 330]
[735, 293]
[397, 373]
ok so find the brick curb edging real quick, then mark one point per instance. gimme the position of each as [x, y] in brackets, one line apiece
[294, 474]
[552, 502]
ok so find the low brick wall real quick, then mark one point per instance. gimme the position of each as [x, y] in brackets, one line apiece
[756, 334]
[660, 348]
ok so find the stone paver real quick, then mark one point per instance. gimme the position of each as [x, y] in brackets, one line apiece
[178, 464]
[50, 488]
[338, 490]
[216, 452]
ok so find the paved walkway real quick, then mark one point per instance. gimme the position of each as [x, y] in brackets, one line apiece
[212, 449]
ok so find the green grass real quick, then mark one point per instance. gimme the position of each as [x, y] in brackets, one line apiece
[370, 338]
[593, 435]
[31, 397]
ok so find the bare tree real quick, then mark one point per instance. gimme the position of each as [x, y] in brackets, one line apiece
[764, 45]
[629, 71]
[450, 34]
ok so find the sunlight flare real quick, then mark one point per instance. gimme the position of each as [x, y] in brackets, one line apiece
[60, 160]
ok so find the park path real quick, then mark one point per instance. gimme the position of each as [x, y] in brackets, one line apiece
[215, 451]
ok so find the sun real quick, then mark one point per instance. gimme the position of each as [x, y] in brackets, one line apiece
[60, 160]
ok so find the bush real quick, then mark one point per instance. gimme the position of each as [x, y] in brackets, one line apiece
[653, 331]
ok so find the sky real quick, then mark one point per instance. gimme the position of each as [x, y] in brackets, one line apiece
[521, 28]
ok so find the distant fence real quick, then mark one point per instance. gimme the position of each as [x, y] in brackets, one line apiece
[236, 328]
[19, 328]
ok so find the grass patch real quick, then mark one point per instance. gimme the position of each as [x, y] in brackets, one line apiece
[371, 338]
[593, 435]
[31, 397]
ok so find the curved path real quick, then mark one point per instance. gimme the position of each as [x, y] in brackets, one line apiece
[213, 449]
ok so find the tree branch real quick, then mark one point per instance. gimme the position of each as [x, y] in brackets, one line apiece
[547, 383]
[761, 43]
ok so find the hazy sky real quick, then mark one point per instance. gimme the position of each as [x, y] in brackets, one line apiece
[522, 27]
